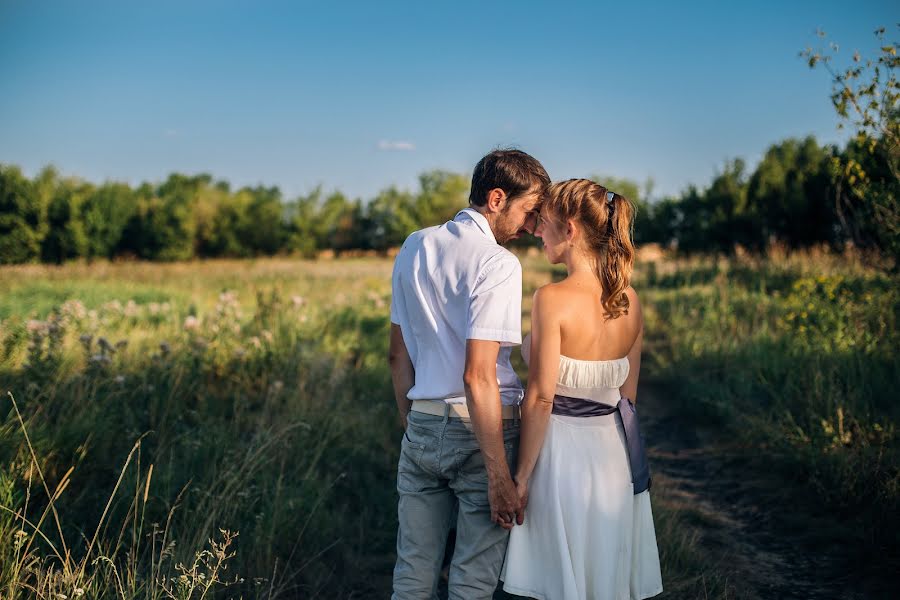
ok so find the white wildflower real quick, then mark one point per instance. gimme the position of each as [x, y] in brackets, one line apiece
[191, 323]
[35, 325]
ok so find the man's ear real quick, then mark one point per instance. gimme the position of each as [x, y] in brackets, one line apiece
[496, 200]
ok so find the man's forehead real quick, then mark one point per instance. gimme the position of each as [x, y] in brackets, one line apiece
[533, 200]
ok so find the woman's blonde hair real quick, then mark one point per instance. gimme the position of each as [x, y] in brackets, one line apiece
[607, 219]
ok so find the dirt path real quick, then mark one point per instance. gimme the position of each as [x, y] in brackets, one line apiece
[740, 514]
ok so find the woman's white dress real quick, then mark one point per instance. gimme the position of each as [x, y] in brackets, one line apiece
[586, 535]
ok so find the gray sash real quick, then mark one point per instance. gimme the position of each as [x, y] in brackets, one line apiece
[634, 441]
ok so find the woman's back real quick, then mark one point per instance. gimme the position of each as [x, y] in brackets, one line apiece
[585, 331]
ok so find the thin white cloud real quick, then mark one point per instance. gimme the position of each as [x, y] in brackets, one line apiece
[396, 146]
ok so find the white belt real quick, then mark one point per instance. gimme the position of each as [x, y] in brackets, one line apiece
[460, 410]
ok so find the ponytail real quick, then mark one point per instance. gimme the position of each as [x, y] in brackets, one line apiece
[617, 261]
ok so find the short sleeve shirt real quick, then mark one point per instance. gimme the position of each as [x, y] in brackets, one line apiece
[452, 283]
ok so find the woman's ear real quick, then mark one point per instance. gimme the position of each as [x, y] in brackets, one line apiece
[571, 230]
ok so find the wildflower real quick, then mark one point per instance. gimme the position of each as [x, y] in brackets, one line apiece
[154, 308]
[298, 301]
[131, 309]
[239, 352]
[20, 538]
[78, 592]
[101, 359]
[35, 326]
[191, 323]
[120, 379]
[267, 335]
[254, 341]
[277, 385]
[86, 339]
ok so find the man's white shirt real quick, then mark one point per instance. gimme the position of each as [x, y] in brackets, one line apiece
[451, 283]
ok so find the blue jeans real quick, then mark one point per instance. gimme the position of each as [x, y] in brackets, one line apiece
[441, 463]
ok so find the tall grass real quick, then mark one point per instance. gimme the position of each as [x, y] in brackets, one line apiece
[267, 414]
[227, 428]
[797, 362]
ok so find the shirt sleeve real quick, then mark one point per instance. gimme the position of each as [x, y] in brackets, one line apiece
[396, 294]
[495, 306]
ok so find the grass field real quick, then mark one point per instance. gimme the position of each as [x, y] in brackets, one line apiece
[227, 427]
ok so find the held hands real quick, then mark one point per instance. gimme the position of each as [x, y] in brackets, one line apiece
[522, 491]
[506, 507]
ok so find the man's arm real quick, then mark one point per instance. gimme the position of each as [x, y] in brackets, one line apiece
[403, 375]
[483, 400]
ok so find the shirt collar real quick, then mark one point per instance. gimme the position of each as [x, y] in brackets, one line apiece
[479, 219]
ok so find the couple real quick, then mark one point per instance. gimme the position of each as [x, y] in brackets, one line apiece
[550, 485]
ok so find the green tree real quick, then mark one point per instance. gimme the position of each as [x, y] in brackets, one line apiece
[163, 225]
[390, 219]
[707, 220]
[263, 231]
[65, 238]
[302, 219]
[23, 217]
[789, 197]
[866, 96]
[105, 213]
[441, 195]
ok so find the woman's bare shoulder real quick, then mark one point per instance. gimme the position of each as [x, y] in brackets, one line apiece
[549, 296]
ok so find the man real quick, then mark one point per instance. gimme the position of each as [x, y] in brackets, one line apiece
[455, 314]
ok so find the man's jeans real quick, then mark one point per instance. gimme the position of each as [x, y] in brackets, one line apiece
[440, 462]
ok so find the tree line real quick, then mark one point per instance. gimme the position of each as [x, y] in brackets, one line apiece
[796, 197]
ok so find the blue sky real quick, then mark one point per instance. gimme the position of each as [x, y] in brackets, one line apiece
[357, 96]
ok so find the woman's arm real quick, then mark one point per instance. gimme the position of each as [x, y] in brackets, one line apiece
[629, 388]
[543, 371]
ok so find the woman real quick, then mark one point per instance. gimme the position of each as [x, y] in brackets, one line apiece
[588, 530]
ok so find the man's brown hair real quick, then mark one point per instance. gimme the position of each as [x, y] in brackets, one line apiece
[513, 171]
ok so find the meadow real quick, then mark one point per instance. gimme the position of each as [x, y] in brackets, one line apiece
[226, 428]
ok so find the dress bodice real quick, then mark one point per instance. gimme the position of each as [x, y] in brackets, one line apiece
[596, 380]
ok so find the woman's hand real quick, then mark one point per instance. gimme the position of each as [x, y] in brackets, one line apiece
[522, 491]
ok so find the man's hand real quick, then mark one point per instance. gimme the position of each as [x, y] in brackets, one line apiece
[506, 509]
